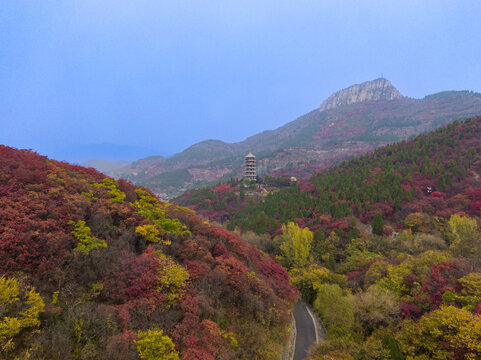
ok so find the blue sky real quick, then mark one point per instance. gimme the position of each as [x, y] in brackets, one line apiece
[158, 76]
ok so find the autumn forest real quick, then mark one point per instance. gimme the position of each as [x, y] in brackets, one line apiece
[386, 247]
[93, 268]
[240, 180]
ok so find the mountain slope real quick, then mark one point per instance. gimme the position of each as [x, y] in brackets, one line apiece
[349, 123]
[386, 247]
[393, 181]
[99, 269]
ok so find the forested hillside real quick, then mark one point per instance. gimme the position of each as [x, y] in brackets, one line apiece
[350, 123]
[92, 268]
[393, 181]
[386, 247]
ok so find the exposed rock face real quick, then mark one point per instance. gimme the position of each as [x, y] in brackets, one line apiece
[379, 89]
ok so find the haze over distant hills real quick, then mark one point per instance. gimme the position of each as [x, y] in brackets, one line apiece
[350, 122]
[81, 153]
[105, 165]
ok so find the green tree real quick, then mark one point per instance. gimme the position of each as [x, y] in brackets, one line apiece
[336, 310]
[377, 224]
[309, 279]
[296, 244]
[319, 244]
[154, 345]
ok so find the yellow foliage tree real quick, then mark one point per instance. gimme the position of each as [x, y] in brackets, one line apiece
[86, 242]
[155, 211]
[112, 190]
[419, 265]
[296, 244]
[466, 238]
[19, 311]
[173, 277]
[150, 233]
[470, 293]
[442, 334]
[154, 345]
[376, 272]
[414, 221]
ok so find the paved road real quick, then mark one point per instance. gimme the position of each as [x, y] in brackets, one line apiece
[306, 332]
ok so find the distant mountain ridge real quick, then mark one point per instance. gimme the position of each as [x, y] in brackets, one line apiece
[350, 122]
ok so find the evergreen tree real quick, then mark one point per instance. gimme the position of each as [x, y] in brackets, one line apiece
[377, 224]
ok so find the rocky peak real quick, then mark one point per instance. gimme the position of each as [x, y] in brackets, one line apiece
[379, 89]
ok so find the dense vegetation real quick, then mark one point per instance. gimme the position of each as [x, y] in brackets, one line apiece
[92, 268]
[392, 180]
[386, 247]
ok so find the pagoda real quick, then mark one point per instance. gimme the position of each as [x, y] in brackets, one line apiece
[250, 168]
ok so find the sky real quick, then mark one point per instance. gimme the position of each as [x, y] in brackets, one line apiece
[127, 79]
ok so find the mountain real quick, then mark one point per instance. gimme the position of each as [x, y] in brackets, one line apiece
[393, 180]
[386, 247]
[351, 122]
[93, 268]
[105, 165]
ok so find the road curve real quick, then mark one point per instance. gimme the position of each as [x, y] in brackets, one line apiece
[306, 330]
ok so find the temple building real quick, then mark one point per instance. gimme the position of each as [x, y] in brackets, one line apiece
[250, 168]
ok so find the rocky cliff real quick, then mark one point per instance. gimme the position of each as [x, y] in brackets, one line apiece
[379, 89]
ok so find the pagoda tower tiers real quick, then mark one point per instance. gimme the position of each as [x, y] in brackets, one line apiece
[250, 167]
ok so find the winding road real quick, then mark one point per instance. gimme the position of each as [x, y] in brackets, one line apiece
[306, 330]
